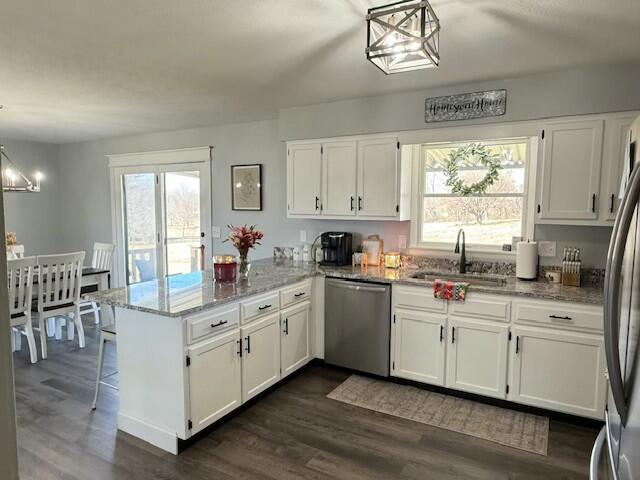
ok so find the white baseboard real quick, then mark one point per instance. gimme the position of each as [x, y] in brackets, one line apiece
[167, 441]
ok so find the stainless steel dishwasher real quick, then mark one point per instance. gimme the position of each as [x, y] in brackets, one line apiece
[357, 325]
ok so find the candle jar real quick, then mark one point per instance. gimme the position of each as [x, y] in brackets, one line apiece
[224, 268]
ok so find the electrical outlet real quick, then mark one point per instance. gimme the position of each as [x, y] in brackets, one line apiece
[303, 236]
[402, 241]
[547, 249]
[215, 232]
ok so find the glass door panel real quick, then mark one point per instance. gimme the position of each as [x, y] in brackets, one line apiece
[140, 227]
[182, 222]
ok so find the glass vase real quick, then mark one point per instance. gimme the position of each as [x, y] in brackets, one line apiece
[244, 266]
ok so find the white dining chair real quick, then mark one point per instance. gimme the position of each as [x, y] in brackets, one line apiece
[20, 284]
[102, 259]
[59, 282]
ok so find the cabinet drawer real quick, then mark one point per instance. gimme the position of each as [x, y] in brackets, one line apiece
[257, 306]
[295, 293]
[559, 314]
[483, 306]
[417, 298]
[211, 322]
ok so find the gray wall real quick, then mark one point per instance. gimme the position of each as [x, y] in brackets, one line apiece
[83, 167]
[37, 218]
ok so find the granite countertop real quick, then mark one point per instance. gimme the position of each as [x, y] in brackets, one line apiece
[179, 295]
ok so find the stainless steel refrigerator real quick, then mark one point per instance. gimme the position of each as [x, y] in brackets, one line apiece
[618, 444]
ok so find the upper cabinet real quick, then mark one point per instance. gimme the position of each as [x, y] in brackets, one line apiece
[571, 163]
[581, 166]
[616, 139]
[304, 170]
[358, 178]
[377, 177]
[339, 163]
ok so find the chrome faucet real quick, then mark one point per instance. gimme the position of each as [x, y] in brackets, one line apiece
[462, 252]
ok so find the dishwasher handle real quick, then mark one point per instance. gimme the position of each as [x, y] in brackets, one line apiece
[362, 287]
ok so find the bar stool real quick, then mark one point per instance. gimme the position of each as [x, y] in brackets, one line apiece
[107, 334]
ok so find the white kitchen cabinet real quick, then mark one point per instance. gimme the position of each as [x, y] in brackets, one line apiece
[339, 164]
[214, 363]
[304, 179]
[616, 141]
[295, 348]
[360, 178]
[571, 165]
[477, 353]
[562, 371]
[378, 175]
[418, 346]
[260, 355]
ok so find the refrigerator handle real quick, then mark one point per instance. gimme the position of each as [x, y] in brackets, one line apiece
[596, 453]
[612, 292]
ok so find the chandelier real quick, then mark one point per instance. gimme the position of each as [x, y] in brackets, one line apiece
[13, 180]
[403, 36]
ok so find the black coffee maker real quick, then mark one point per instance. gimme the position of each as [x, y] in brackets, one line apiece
[336, 248]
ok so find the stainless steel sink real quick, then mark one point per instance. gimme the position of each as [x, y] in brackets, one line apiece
[471, 278]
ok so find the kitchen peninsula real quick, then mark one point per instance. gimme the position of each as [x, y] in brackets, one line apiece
[191, 350]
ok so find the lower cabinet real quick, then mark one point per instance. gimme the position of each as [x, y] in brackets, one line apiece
[214, 363]
[477, 355]
[418, 342]
[295, 350]
[558, 370]
[260, 342]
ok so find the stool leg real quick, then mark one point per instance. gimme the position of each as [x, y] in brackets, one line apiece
[99, 372]
[43, 336]
[28, 331]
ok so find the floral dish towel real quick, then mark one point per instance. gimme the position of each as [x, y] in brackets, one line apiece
[447, 290]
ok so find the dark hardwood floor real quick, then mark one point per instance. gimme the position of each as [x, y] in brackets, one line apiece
[293, 432]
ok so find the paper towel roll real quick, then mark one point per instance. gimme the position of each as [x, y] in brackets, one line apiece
[527, 260]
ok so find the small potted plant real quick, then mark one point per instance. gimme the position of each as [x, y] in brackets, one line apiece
[244, 238]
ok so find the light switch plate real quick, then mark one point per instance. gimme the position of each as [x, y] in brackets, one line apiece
[303, 235]
[547, 249]
[402, 241]
[215, 232]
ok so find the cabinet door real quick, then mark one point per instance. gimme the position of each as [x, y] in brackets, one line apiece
[558, 370]
[339, 178]
[378, 178]
[477, 357]
[571, 161]
[304, 177]
[214, 363]
[418, 340]
[294, 343]
[260, 355]
[616, 143]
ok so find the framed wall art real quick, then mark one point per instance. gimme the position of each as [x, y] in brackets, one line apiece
[246, 187]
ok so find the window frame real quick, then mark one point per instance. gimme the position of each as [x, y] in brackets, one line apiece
[528, 195]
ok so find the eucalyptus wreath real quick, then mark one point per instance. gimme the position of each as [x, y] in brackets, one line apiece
[484, 156]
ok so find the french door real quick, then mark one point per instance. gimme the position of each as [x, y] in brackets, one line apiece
[163, 219]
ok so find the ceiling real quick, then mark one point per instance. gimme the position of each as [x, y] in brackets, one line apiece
[78, 70]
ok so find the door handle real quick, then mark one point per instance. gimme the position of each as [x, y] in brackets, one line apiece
[264, 307]
[248, 349]
[223, 322]
[441, 332]
[286, 326]
[359, 203]
[351, 208]
[593, 203]
[613, 199]
[517, 344]
[239, 342]
[453, 334]
[557, 317]
[317, 203]
[299, 294]
[596, 453]
[612, 292]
